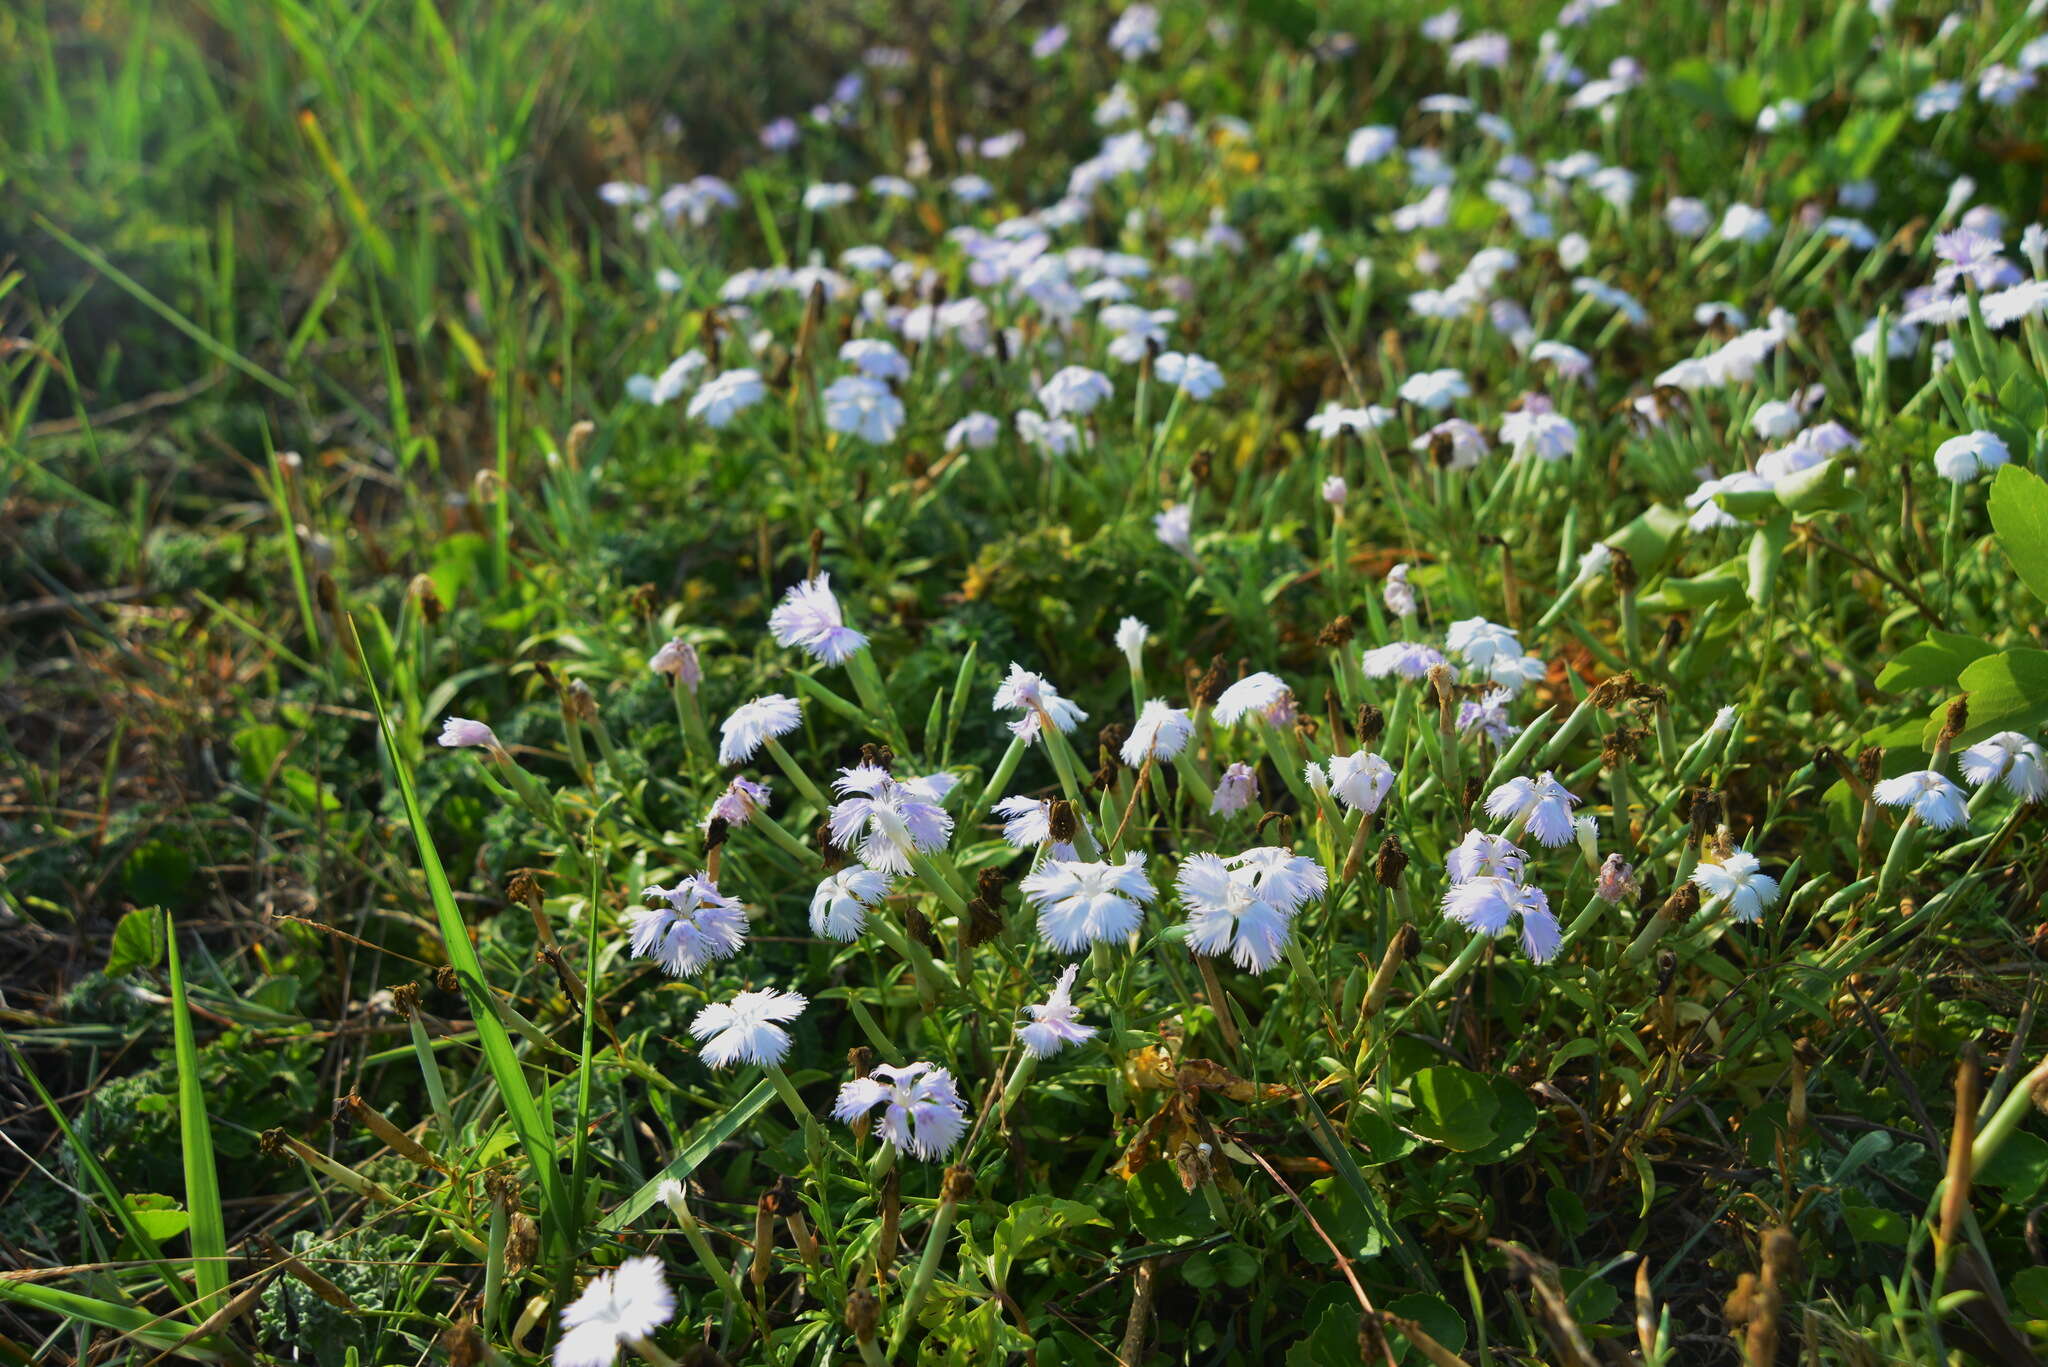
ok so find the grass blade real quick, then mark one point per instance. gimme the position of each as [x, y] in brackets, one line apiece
[208, 1233]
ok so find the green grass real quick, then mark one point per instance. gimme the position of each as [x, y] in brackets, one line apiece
[317, 336]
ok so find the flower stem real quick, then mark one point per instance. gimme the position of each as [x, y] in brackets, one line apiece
[795, 773]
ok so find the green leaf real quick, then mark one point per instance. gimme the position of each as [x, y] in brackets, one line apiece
[1435, 1315]
[1453, 1106]
[138, 942]
[2019, 513]
[1937, 663]
[536, 1136]
[1874, 1224]
[736, 1118]
[1650, 539]
[208, 1235]
[1816, 488]
[2008, 692]
[158, 1216]
[2030, 1291]
[1291, 19]
[1033, 1221]
[1163, 1210]
[2018, 1169]
[1766, 551]
[156, 1331]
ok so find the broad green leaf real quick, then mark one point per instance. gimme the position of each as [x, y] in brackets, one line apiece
[138, 942]
[208, 1234]
[1766, 552]
[1650, 539]
[2019, 513]
[1030, 1222]
[1453, 1106]
[2018, 1169]
[2008, 692]
[1937, 662]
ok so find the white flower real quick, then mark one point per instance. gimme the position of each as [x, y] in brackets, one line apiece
[1160, 732]
[1686, 217]
[1776, 419]
[699, 925]
[1135, 33]
[827, 195]
[1480, 855]
[1174, 526]
[1372, 143]
[874, 358]
[1049, 41]
[1074, 389]
[1054, 436]
[1745, 223]
[1488, 905]
[677, 658]
[892, 819]
[1361, 780]
[1082, 903]
[1039, 701]
[1740, 879]
[1457, 443]
[1540, 806]
[1397, 593]
[1406, 659]
[2011, 756]
[725, 396]
[1244, 905]
[615, 1307]
[1237, 789]
[751, 723]
[457, 732]
[1130, 639]
[1435, 390]
[840, 906]
[738, 803]
[923, 1114]
[975, 432]
[809, 617]
[1961, 459]
[1195, 376]
[1935, 800]
[1056, 1022]
[1335, 491]
[744, 1030]
[1336, 418]
[1548, 436]
[1261, 693]
[864, 408]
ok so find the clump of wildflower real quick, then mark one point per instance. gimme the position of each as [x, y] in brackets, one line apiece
[1932, 798]
[1083, 903]
[742, 734]
[1538, 805]
[618, 1307]
[922, 1113]
[746, 1029]
[809, 617]
[700, 924]
[1245, 904]
[1739, 878]
[1038, 700]
[1055, 1022]
[892, 819]
[842, 901]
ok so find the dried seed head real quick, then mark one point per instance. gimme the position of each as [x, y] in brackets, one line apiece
[983, 924]
[1870, 764]
[343, 1117]
[1622, 569]
[271, 1143]
[1111, 738]
[1475, 788]
[1337, 631]
[522, 1242]
[989, 885]
[1209, 687]
[429, 599]
[863, 1313]
[817, 545]
[915, 466]
[328, 594]
[834, 857]
[860, 1060]
[1370, 725]
[1673, 633]
[1306, 726]
[1410, 940]
[502, 1188]
[1200, 466]
[1956, 721]
[880, 756]
[1617, 881]
[715, 832]
[1622, 745]
[1612, 692]
[920, 927]
[580, 433]
[462, 1345]
[521, 888]
[958, 1184]
[640, 598]
[1060, 822]
[446, 978]
[1389, 864]
[1667, 969]
[406, 998]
